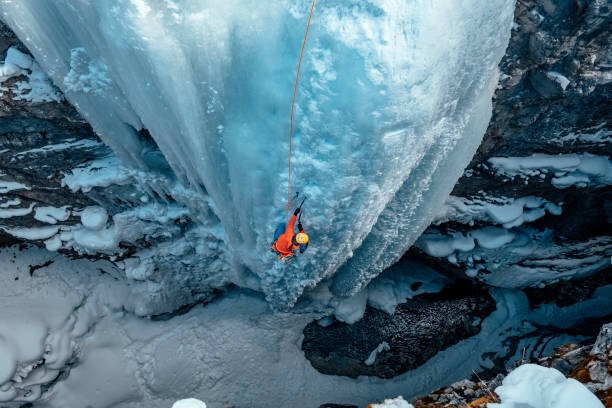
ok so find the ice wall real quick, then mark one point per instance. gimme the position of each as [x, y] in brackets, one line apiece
[393, 100]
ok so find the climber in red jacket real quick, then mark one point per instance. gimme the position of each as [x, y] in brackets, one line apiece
[286, 241]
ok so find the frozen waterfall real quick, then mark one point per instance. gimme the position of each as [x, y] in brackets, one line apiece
[394, 98]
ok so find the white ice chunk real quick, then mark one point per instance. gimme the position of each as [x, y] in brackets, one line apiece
[99, 173]
[32, 234]
[51, 215]
[13, 55]
[15, 212]
[10, 203]
[14, 64]
[189, 403]
[86, 75]
[382, 347]
[7, 186]
[558, 78]
[570, 169]
[534, 386]
[36, 88]
[500, 210]
[94, 218]
[398, 402]
[53, 244]
[351, 309]
[441, 246]
[492, 237]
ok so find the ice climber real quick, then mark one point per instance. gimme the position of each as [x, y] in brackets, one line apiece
[286, 241]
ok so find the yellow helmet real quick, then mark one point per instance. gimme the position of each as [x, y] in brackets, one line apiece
[301, 238]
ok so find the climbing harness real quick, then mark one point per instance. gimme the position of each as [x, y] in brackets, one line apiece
[295, 85]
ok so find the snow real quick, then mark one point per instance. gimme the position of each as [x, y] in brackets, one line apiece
[37, 86]
[402, 281]
[398, 402]
[15, 212]
[68, 144]
[189, 403]
[534, 386]
[492, 237]
[14, 63]
[99, 173]
[31, 234]
[86, 75]
[351, 309]
[580, 170]
[233, 352]
[10, 202]
[598, 134]
[558, 78]
[94, 218]
[14, 56]
[51, 215]
[8, 186]
[393, 101]
[440, 246]
[382, 347]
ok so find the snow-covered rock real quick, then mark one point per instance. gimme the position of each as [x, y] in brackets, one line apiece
[534, 386]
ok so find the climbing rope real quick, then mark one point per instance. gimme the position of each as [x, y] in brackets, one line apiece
[297, 75]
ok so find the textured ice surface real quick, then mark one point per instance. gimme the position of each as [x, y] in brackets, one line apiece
[393, 100]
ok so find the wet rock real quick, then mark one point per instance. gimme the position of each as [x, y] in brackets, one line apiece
[417, 330]
[569, 292]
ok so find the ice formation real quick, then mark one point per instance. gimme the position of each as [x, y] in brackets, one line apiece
[393, 101]
[578, 170]
[531, 385]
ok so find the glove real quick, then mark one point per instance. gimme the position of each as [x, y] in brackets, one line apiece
[297, 211]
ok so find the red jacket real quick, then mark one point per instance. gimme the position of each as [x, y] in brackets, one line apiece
[285, 245]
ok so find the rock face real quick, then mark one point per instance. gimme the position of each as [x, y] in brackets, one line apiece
[387, 345]
[541, 177]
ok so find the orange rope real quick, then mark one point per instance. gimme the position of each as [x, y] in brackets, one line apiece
[297, 75]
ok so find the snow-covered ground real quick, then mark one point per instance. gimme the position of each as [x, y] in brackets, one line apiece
[68, 338]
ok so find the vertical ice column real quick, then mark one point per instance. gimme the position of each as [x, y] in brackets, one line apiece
[391, 104]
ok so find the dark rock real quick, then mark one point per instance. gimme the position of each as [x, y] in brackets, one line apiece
[417, 330]
[569, 292]
[544, 85]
